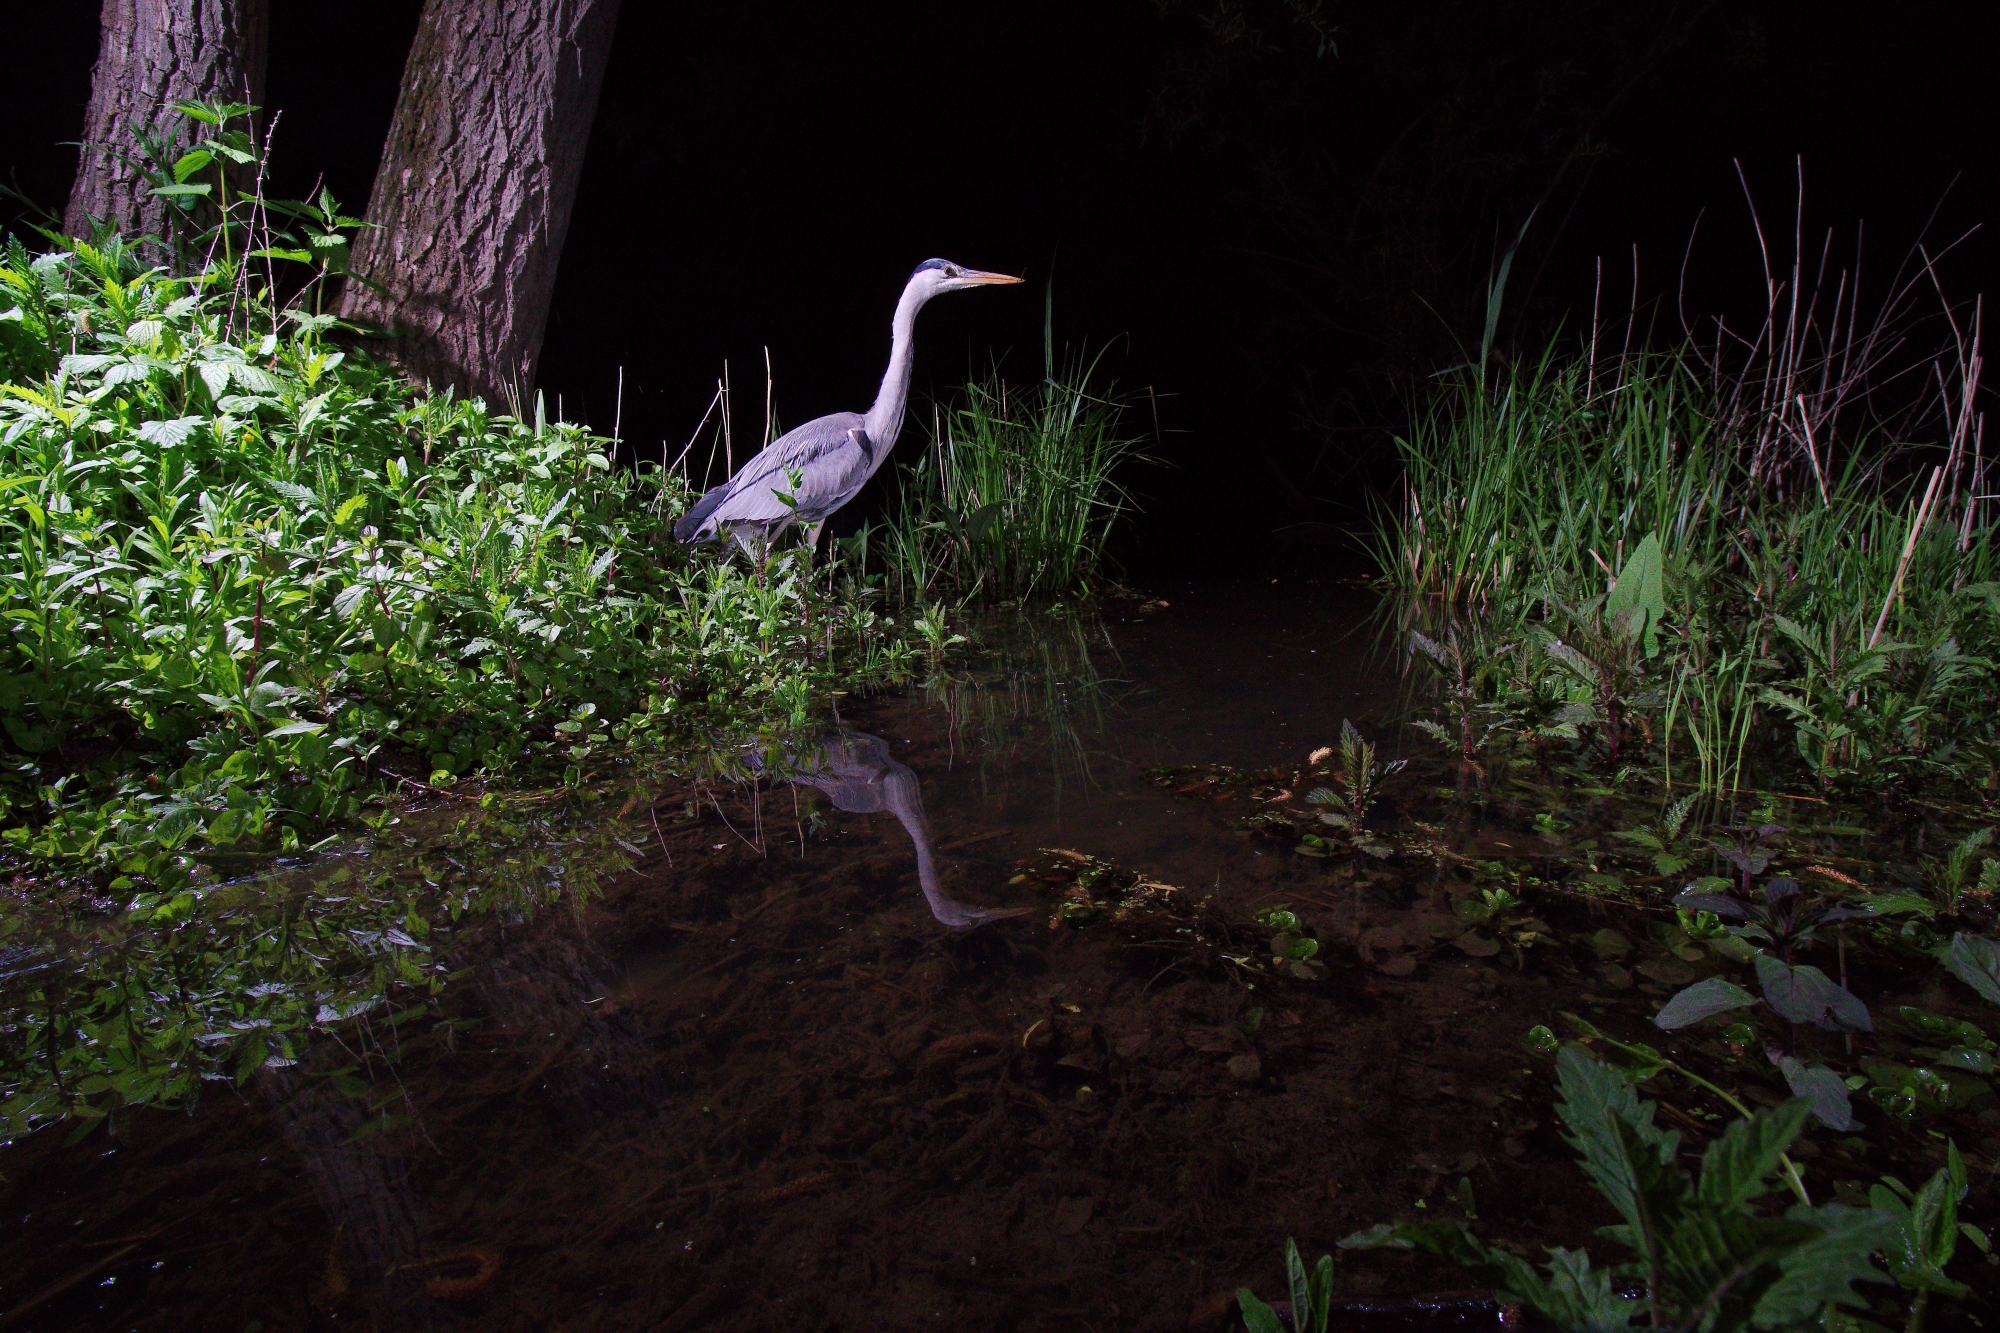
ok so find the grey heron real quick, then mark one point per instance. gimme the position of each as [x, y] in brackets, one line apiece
[808, 472]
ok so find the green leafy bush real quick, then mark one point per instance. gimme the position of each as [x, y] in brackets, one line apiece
[1706, 1256]
[248, 576]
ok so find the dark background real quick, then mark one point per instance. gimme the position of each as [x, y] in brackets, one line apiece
[1281, 215]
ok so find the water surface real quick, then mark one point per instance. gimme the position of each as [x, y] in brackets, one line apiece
[758, 1083]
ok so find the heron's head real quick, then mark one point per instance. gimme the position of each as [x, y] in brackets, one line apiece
[941, 275]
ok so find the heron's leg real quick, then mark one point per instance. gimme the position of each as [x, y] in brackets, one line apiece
[812, 535]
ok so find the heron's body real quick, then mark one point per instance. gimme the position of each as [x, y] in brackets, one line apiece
[806, 474]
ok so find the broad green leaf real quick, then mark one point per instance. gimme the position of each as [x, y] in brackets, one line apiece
[1257, 1316]
[1975, 960]
[1704, 999]
[1579, 1297]
[1641, 591]
[169, 434]
[216, 376]
[190, 163]
[1824, 1268]
[1595, 1103]
[1737, 1167]
[1807, 995]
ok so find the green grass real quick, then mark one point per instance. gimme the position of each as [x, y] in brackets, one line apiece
[1808, 630]
[1017, 492]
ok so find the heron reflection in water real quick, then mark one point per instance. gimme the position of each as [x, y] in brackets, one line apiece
[856, 771]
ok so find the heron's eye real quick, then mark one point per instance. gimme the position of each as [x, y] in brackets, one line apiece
[951, 271]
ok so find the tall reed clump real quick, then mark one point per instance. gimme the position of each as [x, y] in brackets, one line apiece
[1018, 491]
[249, 578]
[1764, 553]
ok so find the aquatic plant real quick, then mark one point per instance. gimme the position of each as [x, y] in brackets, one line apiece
[1467, 667]
[1311, 1297]
[1668, 838]
[1709, 542]
[1019, 490]
[1928, 1232]
[1951, 879]
[1706, 1256]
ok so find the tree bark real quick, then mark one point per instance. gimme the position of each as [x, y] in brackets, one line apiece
[473, 195]
[152, 53]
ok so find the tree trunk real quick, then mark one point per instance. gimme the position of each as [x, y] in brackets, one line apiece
[473, 196]
[152, 53]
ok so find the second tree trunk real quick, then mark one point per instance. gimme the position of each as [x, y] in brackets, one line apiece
[473, 196]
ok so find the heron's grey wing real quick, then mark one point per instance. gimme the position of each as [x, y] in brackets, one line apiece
[828, 459]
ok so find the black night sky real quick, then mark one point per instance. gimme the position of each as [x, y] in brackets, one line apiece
[1283, 229]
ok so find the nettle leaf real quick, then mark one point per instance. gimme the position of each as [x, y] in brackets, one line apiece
[1824, 1268]
[1807, 995]
[215, 375]
[255, 379]
[169, 434]
[1975, 960]
[1704, 999]
[1596, 1102]
[1824, 1089]
[1736, 1167]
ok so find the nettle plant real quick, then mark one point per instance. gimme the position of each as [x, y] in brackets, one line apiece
[1707, 1253]
[1784, 920]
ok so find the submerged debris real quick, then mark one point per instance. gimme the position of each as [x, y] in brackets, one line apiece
[1089, 889]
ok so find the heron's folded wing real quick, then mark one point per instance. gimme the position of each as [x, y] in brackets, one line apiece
[819, 466]
[798, 448]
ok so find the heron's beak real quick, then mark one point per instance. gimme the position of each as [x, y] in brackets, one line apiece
[972, 277]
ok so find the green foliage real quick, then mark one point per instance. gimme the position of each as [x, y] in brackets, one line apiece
[1975, 960]
[1928, 1228]
[1017, 493]
[247, 576]
[1620, 523]
[1706, 1255]
[1359, 779]
[1311, 1293]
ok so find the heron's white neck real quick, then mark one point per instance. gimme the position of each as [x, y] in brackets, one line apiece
[885, 419]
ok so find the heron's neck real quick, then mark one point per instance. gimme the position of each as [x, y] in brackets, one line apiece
[885, 420]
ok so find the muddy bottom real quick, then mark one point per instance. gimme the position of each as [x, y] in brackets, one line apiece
[757, 1084]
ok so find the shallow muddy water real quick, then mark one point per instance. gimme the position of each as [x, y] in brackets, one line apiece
[755, 1083]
